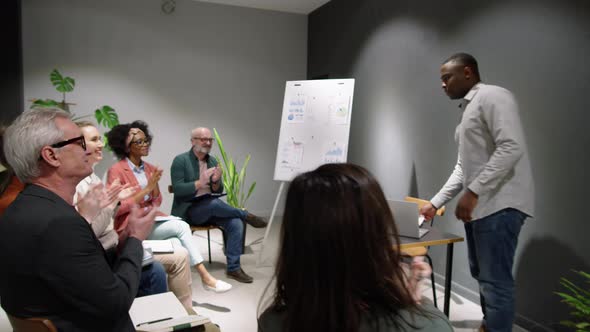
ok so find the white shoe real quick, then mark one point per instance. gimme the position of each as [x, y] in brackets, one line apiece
[220, 287]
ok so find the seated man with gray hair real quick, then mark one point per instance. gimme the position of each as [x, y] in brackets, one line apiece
[54, 266]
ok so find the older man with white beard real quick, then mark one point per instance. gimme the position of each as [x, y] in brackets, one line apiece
[197, 173]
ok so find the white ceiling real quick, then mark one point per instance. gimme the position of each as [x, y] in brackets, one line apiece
[289, 6]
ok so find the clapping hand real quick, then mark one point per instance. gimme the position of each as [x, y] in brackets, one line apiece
[90, 203]
[418, 271]
[110, 199]
[117, 192]
[127, 192]
[141, 221]
[154, 179]
[216, 174]
[204, 177]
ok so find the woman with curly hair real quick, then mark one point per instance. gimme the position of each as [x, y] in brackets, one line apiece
[339, 265]
[131, 142]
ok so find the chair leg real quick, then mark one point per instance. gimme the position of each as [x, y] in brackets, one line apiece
[209, 244]
[432, 281]
[244, 238]
[224, 240]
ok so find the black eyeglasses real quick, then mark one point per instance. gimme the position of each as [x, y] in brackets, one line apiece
[142, 142]
[80, 139]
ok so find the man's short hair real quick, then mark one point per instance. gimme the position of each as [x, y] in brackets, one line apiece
[27, 135]
[466, 60]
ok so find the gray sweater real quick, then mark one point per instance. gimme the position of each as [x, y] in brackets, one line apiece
[434, 321]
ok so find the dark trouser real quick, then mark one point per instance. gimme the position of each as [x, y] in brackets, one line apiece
[153, 280]
[216, 212]
[153, 276]
[491, 244]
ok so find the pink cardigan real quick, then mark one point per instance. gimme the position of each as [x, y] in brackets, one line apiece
[125, 175]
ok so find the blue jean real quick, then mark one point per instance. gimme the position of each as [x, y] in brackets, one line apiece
[216, 212]
[153, 280]
[491, 243]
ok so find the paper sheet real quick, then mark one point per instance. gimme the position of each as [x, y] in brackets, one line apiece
[164, 308]
[154, 307]
[165, 218]
[159, 246]
[421, 220]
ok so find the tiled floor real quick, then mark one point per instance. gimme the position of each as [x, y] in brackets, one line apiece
[236, 310]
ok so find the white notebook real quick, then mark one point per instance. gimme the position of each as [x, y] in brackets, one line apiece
[162, 312]
[166, 218]
[159, 246]
[148, 258]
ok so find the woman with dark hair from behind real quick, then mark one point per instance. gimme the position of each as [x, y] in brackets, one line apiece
[10, 186]
[339, 262]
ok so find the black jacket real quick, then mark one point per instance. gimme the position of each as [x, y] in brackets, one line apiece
[54, 267]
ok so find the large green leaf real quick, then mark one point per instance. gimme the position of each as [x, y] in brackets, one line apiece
[250, 191]
[62, 84]
[106, 116]
[221, 148]
[242, 182]
[40, 103]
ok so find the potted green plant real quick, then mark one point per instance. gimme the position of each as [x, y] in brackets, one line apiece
[579, 300]
[234, 181]
[104, 115]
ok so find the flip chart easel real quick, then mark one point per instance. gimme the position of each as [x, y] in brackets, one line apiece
[315, 126]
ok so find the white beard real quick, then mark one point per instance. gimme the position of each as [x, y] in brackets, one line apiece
[201, 149]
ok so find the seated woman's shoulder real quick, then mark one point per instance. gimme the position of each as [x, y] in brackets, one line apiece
[426, 319]
[271, 320]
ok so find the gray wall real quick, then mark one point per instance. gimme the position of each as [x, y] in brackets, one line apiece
[403, 124]
[205, 64]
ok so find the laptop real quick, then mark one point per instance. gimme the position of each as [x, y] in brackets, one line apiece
[407, 219]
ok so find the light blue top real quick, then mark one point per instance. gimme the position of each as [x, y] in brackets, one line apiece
[139, 173]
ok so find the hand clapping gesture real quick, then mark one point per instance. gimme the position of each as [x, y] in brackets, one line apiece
[153, 182]
[216, 174]
[154, 179]
[99, 197]
[90, 203]
[141, 221]
[117, 192]
[212, 174]
[419, 270]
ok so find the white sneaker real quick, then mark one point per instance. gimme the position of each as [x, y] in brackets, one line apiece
[220, 287]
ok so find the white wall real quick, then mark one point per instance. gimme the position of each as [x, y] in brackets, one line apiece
[204, 65]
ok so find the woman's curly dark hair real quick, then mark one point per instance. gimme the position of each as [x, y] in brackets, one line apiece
[117, 137]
